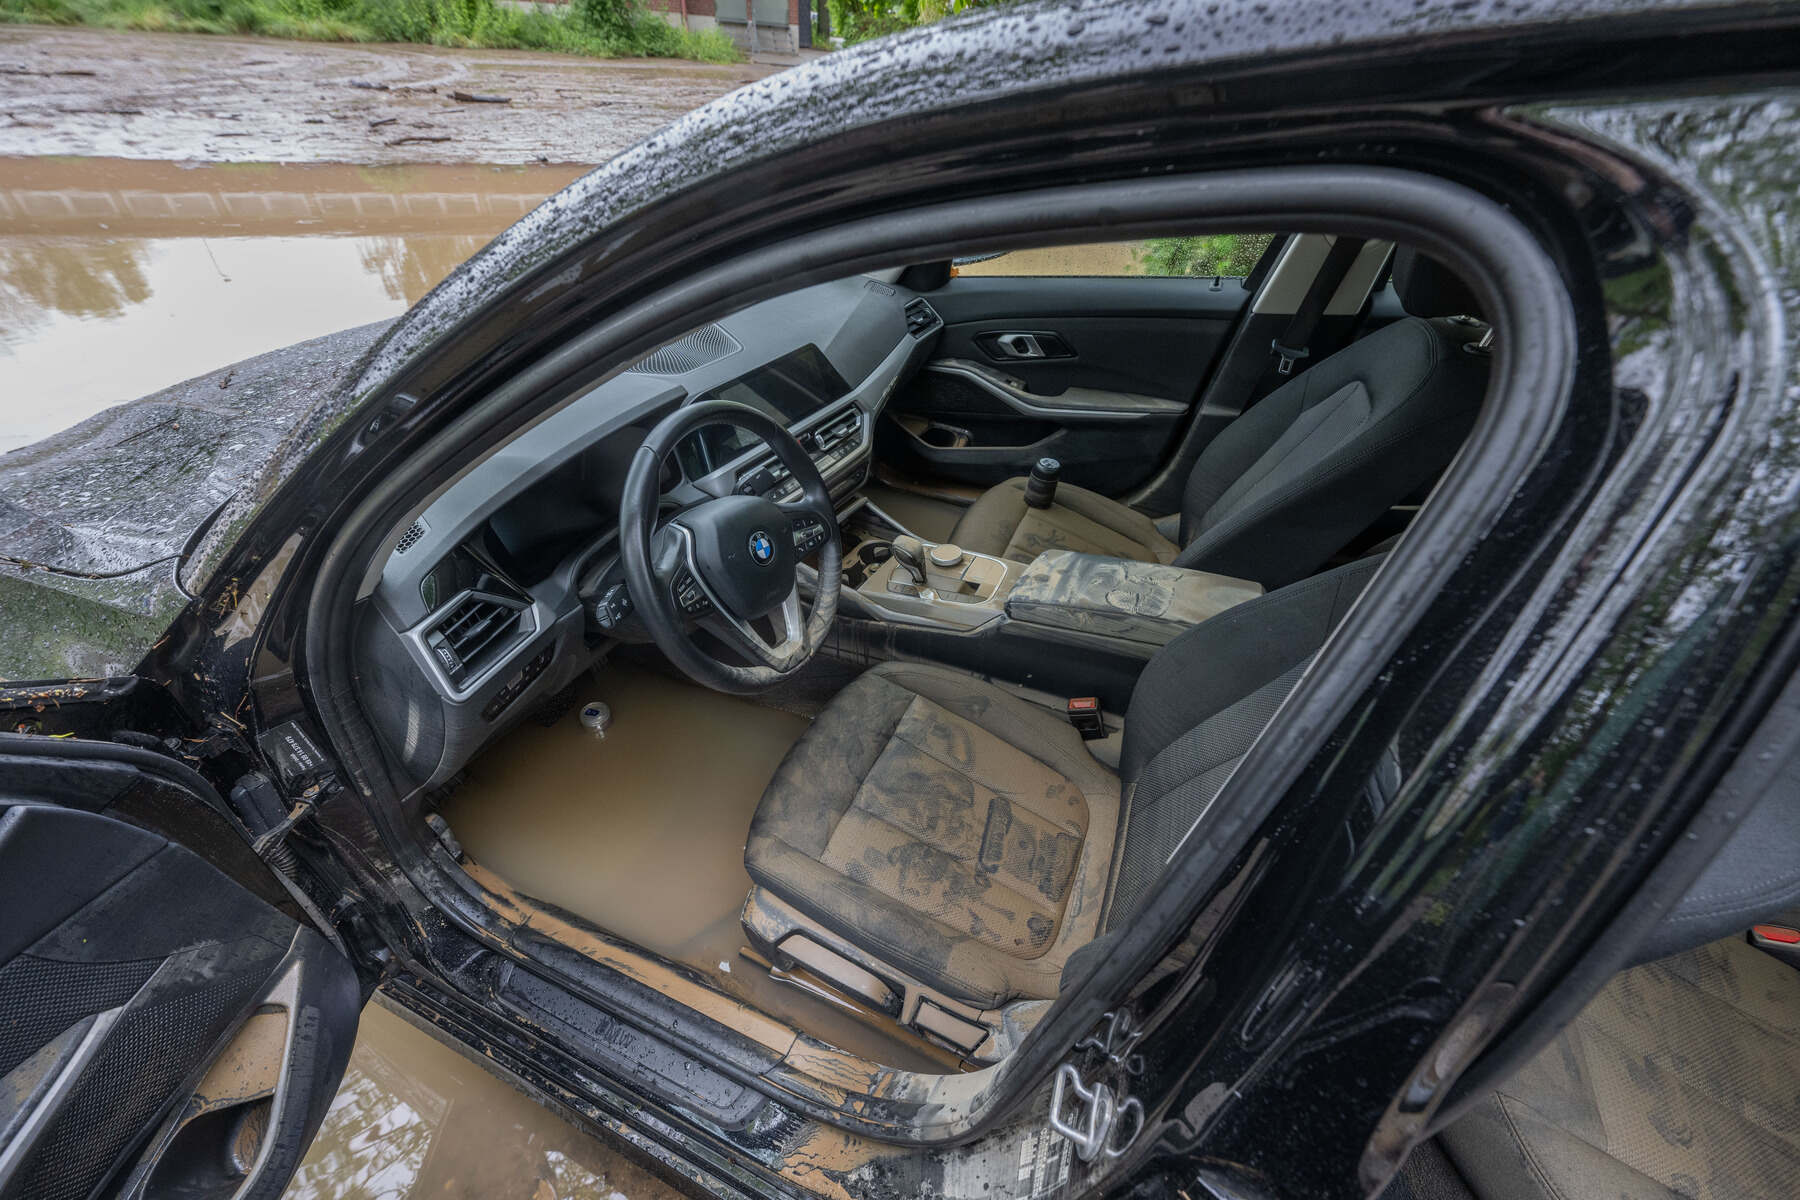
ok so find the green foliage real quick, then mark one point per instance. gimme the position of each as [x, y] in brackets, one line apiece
[860, 20]
[1203, 254]
[600, 28]
[613, 18]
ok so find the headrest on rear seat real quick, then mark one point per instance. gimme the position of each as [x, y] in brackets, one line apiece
[1429, 289]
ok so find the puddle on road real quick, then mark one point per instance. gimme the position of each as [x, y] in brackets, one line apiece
[416, 1119]
[118, 278]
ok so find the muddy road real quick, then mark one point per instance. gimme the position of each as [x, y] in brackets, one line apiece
[198, 98]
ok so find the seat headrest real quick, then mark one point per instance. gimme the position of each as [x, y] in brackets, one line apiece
[1429, 289]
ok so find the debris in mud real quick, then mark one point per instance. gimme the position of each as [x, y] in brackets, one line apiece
[282, 90]
[479, 98]
[418, 137]
[379, 122]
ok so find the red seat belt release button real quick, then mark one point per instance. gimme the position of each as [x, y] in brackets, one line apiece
[1085, 716]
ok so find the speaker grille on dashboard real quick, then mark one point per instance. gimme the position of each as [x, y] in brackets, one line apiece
[411, 537]
[707, 344]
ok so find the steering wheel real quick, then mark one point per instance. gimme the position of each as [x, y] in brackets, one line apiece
[726, 563]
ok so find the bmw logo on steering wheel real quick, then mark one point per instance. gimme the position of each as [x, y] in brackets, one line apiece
[762, 549]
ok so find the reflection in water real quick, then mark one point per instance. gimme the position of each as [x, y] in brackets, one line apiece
[96, 321]
[414, 1118]
[77, 279]
[121, 278]
[410, 267]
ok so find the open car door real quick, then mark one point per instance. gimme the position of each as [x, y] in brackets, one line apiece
[164, 1029]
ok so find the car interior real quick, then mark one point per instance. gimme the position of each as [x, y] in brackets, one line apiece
[854, 665]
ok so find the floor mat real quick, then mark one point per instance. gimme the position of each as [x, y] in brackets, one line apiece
[642, 832]
[928, 518]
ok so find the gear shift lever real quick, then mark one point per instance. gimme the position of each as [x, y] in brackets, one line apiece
[909, 552]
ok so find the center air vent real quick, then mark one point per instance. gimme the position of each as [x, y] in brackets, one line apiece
[474, 633]
[921, 318]
[707, 344]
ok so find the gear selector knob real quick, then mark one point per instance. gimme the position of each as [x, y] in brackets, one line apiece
[909, 552]
[1040, 485]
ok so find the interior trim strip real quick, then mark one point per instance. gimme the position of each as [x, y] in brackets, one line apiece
[1054, 412]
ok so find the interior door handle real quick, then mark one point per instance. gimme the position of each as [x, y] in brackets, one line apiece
[1020, 345]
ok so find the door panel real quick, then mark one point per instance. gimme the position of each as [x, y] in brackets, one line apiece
[1099, 372]
[164, 1031]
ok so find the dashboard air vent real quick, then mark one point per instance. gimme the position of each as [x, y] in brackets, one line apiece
[411, 537]
[473, 633]
[921, 318]
[707, 344]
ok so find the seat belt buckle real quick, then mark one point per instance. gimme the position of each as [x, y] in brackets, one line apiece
[1778, 940]
[1287, 356]
[1086, 717]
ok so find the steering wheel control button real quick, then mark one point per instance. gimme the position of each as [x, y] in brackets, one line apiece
[809, 534]
[945, 554]
[688, 596]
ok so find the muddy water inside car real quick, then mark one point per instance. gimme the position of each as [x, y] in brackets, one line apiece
[641, 832]
[414, 1118]
[119, 277]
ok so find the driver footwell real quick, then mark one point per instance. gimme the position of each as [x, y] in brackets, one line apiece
[642, 831]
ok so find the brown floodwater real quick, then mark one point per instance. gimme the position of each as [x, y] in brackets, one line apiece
[120, 277]
[416, 1119]
[642, 832]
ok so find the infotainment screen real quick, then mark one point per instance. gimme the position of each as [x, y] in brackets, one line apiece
[788, 389]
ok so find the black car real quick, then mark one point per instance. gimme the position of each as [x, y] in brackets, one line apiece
[1317, 721]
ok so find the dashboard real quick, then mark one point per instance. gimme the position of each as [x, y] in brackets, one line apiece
[506, 586]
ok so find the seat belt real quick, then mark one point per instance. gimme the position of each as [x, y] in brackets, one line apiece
[1292, 346]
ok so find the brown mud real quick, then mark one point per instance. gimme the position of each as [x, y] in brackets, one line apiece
[196, 97]
[642, 833]
[414, 1118]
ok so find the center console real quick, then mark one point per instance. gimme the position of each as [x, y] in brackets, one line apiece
[1061, 596]
[942, 583]
[1144, 603]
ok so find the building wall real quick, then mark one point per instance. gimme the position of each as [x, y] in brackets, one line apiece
[771, 35]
